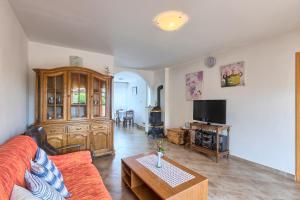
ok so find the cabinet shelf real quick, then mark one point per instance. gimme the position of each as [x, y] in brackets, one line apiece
[127, 180]
[138, 187]
[52, 119]
[212, 129]
[54, 90]
[145, 193]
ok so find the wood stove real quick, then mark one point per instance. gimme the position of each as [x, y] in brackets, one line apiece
[156, 125]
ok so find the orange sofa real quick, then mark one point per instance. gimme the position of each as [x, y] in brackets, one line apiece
[80, 175]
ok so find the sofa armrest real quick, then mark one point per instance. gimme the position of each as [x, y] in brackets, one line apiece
[75, 158]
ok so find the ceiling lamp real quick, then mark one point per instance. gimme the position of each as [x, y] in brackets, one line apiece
[170, 20]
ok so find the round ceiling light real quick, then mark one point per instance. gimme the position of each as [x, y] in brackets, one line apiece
[170, 20]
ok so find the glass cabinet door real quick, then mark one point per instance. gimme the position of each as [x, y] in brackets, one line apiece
[99, 98]
[79, 95]
[55, 97]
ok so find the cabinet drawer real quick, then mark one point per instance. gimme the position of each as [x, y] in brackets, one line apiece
[56, 140]
[55, 129]
[78, 128]
[100, 132]
[96, 127]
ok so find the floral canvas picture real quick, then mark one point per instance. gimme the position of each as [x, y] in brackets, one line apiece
[194, 85]
[233, 75]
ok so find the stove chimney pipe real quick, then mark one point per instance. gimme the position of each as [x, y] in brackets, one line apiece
[158, 95]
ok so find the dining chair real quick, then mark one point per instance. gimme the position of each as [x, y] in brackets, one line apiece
[118, 119]
[129, 118]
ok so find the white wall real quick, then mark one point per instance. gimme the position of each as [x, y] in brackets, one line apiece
[262, 112]
[120, 100]
[138, 102]
[167, 115]
[49, 56]
[13, 76]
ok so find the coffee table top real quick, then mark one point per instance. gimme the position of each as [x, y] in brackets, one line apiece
[162, 188]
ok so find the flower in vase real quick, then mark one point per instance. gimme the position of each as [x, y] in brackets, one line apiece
[160, 147]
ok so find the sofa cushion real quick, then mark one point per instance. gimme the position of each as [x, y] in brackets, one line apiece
[70, 159]
[40, 188]
[20, 193]
[41, 158]
[45, 174]
[15, 156]
[84, 182]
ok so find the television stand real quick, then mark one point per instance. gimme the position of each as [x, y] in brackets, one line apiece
[214, 129]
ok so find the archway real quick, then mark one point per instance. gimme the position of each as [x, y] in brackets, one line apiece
[131, 92]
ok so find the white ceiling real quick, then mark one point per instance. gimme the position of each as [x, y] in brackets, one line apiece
[124, 28]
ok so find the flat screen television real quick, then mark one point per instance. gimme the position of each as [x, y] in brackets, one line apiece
[211, 111]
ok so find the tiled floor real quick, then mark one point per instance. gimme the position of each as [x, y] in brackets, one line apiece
[228, 180]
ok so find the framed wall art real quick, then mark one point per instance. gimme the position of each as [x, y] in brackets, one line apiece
[194, 85]
[233, 74]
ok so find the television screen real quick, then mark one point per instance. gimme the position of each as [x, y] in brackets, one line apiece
[213, 111]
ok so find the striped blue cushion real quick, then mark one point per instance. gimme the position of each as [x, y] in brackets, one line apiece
[40, 188]
[45, 174]
[42, 158]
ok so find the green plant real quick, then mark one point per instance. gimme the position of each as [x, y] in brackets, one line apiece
[160, 146]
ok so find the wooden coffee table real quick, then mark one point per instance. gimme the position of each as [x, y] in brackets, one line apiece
[148, 186]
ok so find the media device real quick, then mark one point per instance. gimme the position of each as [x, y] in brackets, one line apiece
[210, 111]
[208, 140]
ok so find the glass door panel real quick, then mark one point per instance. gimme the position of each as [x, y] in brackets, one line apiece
[55, 95]
[96, 97]
[103, 98]
[99, 97]
[74, 89]
[59, 97]
[79, 85]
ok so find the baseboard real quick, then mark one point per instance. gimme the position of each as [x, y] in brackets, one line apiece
[275, 171]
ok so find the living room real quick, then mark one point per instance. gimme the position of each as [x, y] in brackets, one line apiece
[241, 56]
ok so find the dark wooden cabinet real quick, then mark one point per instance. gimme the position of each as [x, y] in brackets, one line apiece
[74, 106]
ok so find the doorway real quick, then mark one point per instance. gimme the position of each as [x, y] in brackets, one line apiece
[131, 96]
[297, 117]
